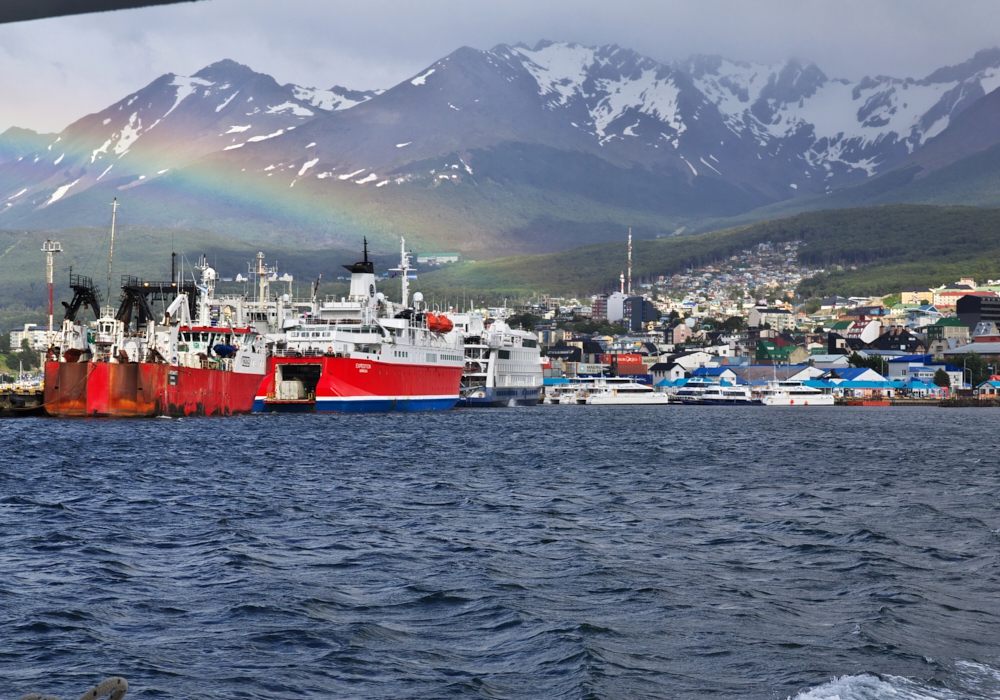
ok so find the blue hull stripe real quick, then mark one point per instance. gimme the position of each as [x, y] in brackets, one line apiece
[355, 405]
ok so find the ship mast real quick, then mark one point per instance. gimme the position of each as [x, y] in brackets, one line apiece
[50, 247]
[404, 268]
[111, 257]
[404, 271]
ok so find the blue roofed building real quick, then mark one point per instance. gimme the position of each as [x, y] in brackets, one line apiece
[717, 374]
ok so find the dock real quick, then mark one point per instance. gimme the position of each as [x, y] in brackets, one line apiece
[21, 401]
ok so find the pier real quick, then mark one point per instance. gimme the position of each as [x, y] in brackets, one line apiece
[21, 401]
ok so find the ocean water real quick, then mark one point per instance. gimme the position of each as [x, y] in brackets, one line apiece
[548, 552]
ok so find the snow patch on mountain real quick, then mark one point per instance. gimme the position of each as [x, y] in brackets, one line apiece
[227, 101]
[559, 69]
[186, 86]
[129, 134]
[297, 110]
[308, 164]
[421, 79]
[60, 192]
[331, 100]
[646, 95]
[255, 139]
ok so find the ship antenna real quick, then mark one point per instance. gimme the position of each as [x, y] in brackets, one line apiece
[366, 248]
[111, 257]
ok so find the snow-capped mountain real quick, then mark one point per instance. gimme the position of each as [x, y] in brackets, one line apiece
[554, 137]
[167, 125]
[770, 131]
[836, 124]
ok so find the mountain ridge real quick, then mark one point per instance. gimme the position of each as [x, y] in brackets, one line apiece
[493, 144]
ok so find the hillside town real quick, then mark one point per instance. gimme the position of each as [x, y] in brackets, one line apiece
[738, 321]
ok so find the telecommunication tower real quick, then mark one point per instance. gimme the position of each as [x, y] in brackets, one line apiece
[630, 261]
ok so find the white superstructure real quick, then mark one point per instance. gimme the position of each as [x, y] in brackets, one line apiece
[502, 364]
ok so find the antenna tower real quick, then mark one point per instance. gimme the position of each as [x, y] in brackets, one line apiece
[630, 261]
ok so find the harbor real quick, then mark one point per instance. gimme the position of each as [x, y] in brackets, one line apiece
[178, 347]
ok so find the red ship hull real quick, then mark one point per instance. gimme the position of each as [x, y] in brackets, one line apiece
[128, 390]
[351, 385]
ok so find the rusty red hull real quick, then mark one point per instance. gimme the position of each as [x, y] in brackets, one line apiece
[101, 389]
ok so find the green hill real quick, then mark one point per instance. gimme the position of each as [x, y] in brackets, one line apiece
[890, 247]
[879, 250]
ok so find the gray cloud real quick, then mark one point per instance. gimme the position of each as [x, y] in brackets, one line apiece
[56, 70]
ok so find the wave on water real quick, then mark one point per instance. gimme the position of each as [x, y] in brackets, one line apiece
[619, 553]
[969, 680]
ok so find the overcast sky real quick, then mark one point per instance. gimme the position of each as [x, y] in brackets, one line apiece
[54, 71]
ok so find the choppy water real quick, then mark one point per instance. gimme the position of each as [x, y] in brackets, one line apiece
[551, 552]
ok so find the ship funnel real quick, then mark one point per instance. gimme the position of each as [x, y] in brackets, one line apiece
[362, 278]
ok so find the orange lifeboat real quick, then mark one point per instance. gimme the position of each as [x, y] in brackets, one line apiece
[439, 324]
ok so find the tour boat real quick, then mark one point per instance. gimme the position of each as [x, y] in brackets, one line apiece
[604, 391]
[722, 395]
[794, 393]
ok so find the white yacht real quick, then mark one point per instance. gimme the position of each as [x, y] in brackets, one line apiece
[794, 393]
[721, 395]
[608, 391]
[502, 364]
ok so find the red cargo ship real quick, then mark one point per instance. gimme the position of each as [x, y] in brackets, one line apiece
[127, 389]
[128, 365]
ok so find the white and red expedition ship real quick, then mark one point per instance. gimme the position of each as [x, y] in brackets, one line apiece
[364, 353]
